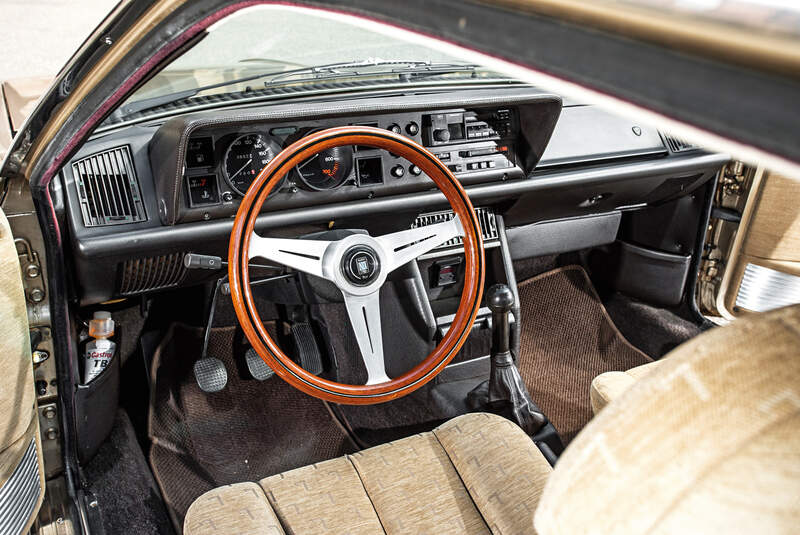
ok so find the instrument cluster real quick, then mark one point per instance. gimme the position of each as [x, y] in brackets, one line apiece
[222, 163]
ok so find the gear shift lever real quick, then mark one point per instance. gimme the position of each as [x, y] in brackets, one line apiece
[505, 389]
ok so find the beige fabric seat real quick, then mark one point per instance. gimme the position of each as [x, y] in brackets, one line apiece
[478, 473]
[709, 442]
[608, 386]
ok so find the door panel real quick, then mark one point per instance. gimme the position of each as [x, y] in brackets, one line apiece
[762, 271]
[21, 469]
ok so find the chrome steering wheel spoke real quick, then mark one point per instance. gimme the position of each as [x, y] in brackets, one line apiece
[402, 247]
[365, 317]
[303, 255]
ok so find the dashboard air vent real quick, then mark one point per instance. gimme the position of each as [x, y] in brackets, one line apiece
[152, 273]
[678, 145]
[485, 218]
[108, 189]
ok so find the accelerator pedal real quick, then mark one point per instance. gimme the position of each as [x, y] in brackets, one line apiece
[210, 374]
[307, 349]
[256, 365]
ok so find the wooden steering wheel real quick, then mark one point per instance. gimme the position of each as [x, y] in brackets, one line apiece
[358, 264]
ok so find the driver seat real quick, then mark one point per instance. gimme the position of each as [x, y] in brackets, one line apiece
[707, 443]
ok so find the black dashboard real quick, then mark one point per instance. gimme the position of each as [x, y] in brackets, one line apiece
[137, 198]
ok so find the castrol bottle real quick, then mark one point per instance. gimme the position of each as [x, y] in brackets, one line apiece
[101, 349]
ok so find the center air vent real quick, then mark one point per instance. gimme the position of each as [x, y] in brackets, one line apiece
[108, 189]
[678, 145]
[485, 218]
[152, 273]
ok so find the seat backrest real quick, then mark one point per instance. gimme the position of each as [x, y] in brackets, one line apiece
[707, 443]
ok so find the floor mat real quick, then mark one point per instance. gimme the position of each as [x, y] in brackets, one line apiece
[118, 476]
[247, 431]
[567, 339]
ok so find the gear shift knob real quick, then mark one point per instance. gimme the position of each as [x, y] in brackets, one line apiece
[500, 298]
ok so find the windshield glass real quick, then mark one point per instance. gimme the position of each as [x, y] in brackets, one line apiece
[275, 45]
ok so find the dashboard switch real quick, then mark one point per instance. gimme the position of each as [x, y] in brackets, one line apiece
[398, 171]
[415, 170]
[394, 127]
[412, 129]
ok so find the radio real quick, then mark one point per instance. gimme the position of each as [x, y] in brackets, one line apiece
[458, 127]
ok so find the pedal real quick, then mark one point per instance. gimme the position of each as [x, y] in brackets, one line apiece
[256, 365]
[307, 349]
[210, 374]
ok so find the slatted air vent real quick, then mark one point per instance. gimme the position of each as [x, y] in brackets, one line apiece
[152, 273]
[678, 145]
[108, 189]
[485, 218]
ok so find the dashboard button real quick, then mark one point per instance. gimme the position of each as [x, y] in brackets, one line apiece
[398, 171]
[394, 127]
[227, 196]
[414, 170]
[412, 129]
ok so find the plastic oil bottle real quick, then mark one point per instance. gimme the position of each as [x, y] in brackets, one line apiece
[100, 350]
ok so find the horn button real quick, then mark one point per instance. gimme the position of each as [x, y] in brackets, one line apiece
[360, 265]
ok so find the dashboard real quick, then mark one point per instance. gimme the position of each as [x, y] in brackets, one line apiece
[137, 198]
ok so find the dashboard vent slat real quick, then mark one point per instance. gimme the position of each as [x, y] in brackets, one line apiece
[108, 188]
[678, 145]
[139, 275]
[485, 217]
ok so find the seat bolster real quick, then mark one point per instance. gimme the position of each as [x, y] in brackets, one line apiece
[241, 508]
[608, 386]
[503, 470]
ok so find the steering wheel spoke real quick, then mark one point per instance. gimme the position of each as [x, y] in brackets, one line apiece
[365, 317]
[402, 247]
[302, 255]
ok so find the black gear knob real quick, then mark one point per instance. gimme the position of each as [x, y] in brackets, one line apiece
[500, 298]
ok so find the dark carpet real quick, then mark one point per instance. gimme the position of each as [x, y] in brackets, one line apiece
[247, 431]
[128, 499]
[656, 331]
[567, 339]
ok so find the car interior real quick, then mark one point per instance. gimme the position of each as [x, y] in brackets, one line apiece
[390, 296]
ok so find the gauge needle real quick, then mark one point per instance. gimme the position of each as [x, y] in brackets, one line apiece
[305, 163]
[240, 170]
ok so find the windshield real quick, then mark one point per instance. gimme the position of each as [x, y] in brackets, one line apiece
[275, 45]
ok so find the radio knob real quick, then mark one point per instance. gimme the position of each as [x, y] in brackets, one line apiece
[441, 135]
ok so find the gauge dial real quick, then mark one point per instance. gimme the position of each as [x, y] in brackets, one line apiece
[245, 158]
[327, 169]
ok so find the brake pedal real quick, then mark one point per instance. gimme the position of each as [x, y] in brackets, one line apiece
[256, 365]
[210, 374]
[307, 349]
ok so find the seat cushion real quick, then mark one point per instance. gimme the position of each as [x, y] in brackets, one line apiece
[608, 386]
[475, 474]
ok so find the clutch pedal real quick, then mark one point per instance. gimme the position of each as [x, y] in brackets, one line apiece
[256, 365]
[307, 349]
[210, 374]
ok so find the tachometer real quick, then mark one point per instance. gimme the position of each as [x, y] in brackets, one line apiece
[245, 158]
[327, 169]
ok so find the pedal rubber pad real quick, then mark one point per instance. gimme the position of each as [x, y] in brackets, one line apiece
[307, 349]
[256, 365]
[210, 374]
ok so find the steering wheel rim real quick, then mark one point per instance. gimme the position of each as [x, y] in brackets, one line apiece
[239, 254]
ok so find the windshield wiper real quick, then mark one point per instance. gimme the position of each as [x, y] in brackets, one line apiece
[404, 70]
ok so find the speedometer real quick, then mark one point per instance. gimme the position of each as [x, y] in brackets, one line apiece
[245, 158]
[327, 169]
